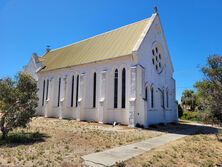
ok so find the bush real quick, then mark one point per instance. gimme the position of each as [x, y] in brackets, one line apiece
[188, 115]
[120, 164]
[180, 111]
[200, 116]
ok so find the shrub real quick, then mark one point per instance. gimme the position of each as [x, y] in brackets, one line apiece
[192, 116]
[120, 164]
[180, 111]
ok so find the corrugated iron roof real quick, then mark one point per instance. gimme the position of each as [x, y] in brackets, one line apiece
[112, 44]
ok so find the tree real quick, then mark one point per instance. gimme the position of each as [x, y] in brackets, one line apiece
[189, 99]
[18, 102]
[210, 88]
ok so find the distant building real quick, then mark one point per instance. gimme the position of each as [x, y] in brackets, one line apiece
[124, 75]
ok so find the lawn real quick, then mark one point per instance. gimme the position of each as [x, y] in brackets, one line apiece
[54, 142]
[202, 149]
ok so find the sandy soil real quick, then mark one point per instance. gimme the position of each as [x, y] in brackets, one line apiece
[65, 141]
[202, 149]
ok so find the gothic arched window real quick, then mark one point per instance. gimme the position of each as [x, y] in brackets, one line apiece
[167, 96]
[58, 102]
[72, 90]
[94, 90]
[116, 89]
[152, 97]
[77, 90]
[43, 93]
[146, 94]
[123, 88]
[47, 89]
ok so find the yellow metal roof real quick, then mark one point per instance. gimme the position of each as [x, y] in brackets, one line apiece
[112, 44]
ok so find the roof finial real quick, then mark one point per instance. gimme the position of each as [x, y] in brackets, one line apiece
[47, 48]
[155, 10]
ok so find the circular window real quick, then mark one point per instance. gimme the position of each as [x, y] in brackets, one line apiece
[157, 58]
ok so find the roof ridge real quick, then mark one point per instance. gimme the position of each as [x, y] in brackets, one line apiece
[96, 35]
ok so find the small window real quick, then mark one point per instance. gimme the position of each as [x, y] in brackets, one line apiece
[160, 65]
[160, 56]
[116, 89]
[156, 59]
[156, 67]
[156, 50]
[153, 61]
[43, 93]
[58, 102]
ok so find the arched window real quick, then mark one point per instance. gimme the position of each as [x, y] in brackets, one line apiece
[94, 90]
[77, 90]
[152, 97]
[116, 89]
[43, 93]
[123, 88]
[58, 102]
[146, 94]
[47, 89]
[163, 100]
[72, 90]
[167, 96]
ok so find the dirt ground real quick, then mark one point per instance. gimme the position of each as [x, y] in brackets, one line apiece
[63, 142]
[200, 150]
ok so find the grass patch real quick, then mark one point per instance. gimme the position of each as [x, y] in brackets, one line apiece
[21, 137]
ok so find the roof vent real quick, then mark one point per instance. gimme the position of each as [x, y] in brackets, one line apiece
[155, 10]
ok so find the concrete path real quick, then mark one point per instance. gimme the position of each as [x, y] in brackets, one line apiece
[122, 153]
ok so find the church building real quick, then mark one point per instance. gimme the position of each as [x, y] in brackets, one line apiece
[124, 76]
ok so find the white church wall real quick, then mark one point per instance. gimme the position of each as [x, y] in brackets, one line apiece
[160, 81]
[86, 111]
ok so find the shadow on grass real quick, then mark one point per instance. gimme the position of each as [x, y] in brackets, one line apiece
[184, 128]
[22, 138]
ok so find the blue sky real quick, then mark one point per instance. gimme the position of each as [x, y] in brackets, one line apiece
[193, 29]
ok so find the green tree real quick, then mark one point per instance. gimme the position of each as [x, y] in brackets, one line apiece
[18, 102]
[210, 88]
[189, 99]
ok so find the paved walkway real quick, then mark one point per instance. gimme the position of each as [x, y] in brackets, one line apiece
[122, 153]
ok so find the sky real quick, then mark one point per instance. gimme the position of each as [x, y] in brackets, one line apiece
[193, 29]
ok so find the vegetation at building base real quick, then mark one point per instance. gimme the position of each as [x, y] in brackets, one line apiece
[18, 102]
[205, 103]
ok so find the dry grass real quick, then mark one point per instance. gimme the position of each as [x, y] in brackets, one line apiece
[63, 142]
[202, 149]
